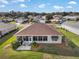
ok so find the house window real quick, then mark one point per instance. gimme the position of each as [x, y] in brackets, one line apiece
[44, 38]
[25, 38]
[54, 38]
[39, 38]
[34, 38]
[29, 38]
[19, 38]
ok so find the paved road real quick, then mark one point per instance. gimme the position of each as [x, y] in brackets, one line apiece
[72, 27]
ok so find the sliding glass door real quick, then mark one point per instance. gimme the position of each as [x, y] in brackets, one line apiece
[27, 38]
[39, 38]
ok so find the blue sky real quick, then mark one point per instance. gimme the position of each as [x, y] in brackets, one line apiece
[39, 5]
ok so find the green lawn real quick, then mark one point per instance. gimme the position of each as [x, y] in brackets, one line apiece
[10, 40]
[71, 36]
[9, 53]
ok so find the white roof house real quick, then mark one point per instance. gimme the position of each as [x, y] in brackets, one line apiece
[20, 20]
[6, 28]
[39, 19]
[0, 20]
[44, 17]
[56, 18]
[71, 17]
[8, 19]
[30, 16]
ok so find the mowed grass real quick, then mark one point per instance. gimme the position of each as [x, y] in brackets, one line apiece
[9, 41]
[71, 36]
[9, 53]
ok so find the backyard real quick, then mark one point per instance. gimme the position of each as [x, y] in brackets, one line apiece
[47, 52]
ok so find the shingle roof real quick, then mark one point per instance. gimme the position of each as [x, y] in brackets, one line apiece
[38, 29]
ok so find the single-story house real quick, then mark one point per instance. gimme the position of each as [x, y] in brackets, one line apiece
[40, 33]
[57, 18]
[72, 18]
[6, 28]
[0, 20]
[30, 16]
[42, 21]
[44, 17]
[20, 20]
[39, 19]
[7, 19]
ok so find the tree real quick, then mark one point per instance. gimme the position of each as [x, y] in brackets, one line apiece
[49, 16]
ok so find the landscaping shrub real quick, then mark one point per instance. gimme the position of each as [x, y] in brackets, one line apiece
[35, 45]
[48, 48]
[48, 21]
[15, 45]
[72, 44]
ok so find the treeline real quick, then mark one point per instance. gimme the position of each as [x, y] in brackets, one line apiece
[13, 14]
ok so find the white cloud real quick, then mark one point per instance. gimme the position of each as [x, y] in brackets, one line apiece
[4, 1]
[15, 1]
[42, 5]
[21, 0]
[23, 5]
[10, 9]
[2, 5]
[29, 0]
[72, 2]
[70, 7]
[58, 7]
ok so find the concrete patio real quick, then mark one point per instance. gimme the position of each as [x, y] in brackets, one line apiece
[24, 48]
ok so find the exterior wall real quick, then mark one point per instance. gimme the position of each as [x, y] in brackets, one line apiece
[0, 33]
[42, 21]
[73, 18]
[49, 40]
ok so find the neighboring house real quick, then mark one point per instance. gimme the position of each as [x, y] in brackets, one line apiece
[40, 33]
[20, 20]
[71, 26]
[6, 28]
[57, 18]
[0, 20]
[7, 19]
[73, 18]
[44, 17]
[39, 19]
[42, 21]
[30, 17]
